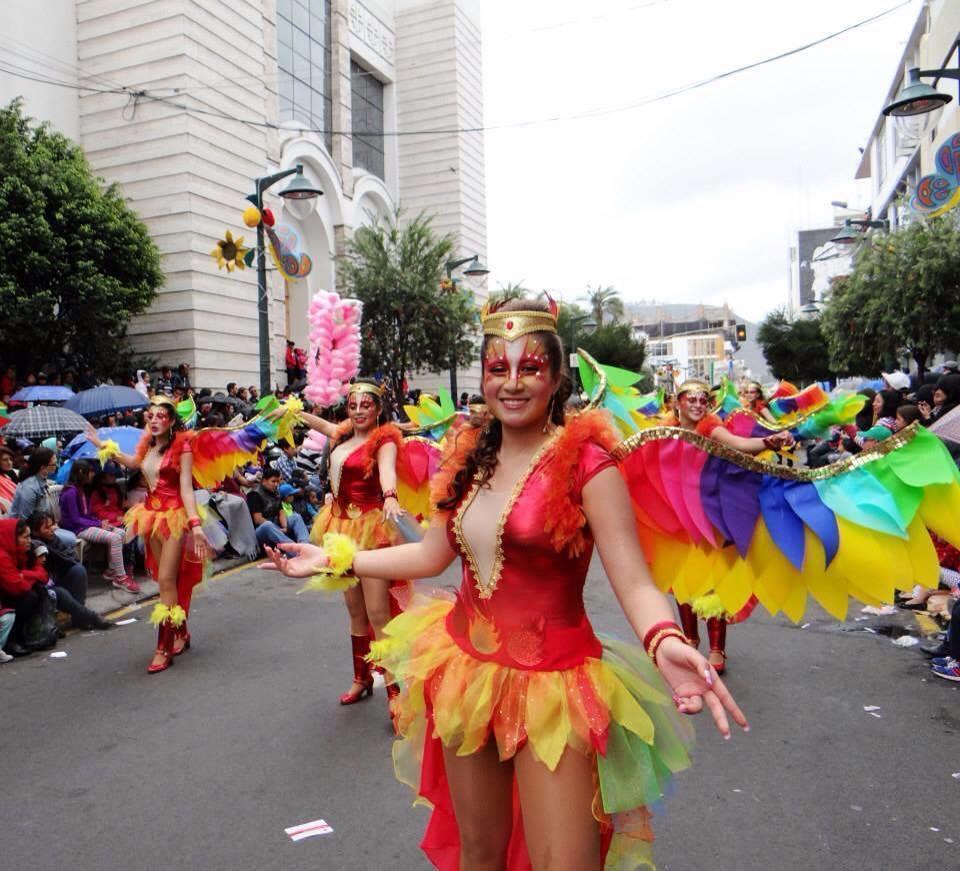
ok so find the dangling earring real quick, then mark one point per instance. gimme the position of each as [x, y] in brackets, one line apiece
[546, 423]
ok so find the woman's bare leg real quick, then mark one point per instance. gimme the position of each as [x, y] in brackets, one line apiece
[558, 821]
[166, 552]
[481, 787]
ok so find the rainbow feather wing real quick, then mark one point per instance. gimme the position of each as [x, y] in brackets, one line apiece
[417, 461]
[432, 417]
[218, 453]
[714, 520]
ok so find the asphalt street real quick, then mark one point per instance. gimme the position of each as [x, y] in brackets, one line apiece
[205, 765]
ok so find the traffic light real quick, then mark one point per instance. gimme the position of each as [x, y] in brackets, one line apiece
[741, 332]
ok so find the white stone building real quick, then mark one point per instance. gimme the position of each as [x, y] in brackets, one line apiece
[185, 102]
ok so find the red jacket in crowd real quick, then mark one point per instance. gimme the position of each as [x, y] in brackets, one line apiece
[15, 578]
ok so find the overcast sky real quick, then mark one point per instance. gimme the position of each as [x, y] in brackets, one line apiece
[693, 199]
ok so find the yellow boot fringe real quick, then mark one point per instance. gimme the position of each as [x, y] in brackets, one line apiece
[708, 606]
[162, 613]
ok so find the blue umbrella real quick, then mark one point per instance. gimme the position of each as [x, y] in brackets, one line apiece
[42, 393]
[106, 399]
[127, 437]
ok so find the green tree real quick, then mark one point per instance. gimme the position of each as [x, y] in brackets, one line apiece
[570, 324]
[509, 291]
[794, 350]
[605, 302]
[903, 296]
[409, 322]
[75, 262]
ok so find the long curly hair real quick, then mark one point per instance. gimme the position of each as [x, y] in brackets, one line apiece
[481, 462]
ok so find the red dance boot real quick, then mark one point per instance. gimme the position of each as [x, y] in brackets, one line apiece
[690, 623]
[361, 671]
[717, 633]
[165, 635]
[181, 639]
[393, 696]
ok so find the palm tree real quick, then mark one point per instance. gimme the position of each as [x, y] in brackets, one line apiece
[605, 301]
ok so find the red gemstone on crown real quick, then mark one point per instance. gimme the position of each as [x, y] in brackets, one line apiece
[509, 325]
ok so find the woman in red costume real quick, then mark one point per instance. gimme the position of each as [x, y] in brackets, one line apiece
[363, 477]
[752, 399]
[167, 521]
[692, 412]
[537, 744]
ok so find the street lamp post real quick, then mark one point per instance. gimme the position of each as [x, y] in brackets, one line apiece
[918, 106]
[850, 236]
[299, 188]
[473, 268]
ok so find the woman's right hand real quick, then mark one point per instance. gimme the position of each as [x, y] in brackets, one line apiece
[93, 437]
[306, 559]
[924, 409]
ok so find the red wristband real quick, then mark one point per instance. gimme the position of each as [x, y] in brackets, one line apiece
[194, 522]
[390, 494]
[653, 630]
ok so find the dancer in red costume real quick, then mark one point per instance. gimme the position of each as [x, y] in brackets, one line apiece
[752, 399]
[363, 477]
[168, 523]
[692, 412]
[536, 743]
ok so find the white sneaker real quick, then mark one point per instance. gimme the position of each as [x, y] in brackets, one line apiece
[4, 657]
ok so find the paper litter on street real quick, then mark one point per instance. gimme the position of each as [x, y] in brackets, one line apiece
[885, 611]
[906, 641]
[869, 708]
[58, 654]
[308, 830]
[126, 622]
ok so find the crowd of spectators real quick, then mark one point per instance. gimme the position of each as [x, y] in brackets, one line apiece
[62, 519]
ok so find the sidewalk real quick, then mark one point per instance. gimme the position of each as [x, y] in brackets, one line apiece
[104, 598]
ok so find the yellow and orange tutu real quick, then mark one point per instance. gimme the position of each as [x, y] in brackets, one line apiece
[613, 709]
[144, 521]
[368, 530]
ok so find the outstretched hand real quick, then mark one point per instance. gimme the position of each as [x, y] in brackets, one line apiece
[93, 436]
[695, 684]
[295, 560]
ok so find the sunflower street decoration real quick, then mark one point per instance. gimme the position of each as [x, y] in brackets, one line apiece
[229, 252]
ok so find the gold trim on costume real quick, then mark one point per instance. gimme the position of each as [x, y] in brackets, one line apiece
[512, 325]
[745, 461]
[486, 590]
[163, 399]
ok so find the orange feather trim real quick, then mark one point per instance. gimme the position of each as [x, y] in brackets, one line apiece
[565, 518]
[458, 446]
[180, 441]
[381, 436]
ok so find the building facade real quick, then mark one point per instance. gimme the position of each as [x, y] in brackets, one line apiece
[891, 162]
[185, 102]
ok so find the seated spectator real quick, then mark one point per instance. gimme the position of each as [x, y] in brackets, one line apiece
[33, 493]
[66, 572]
[106, 500]
[884, 406]
[269, 519]
[309, 462]
[76, 516]
[906, 414]
[8, 480]
[21, 583]
[7, 618]
[287, 461]
[165, 381]
[309, 505]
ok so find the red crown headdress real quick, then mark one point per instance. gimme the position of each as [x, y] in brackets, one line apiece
[511, 325]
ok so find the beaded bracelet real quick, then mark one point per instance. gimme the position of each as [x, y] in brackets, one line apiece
[390, 494]
[194, 522]
[660, 637]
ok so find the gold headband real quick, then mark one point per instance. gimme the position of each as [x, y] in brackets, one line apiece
[366, 387]
[693, 386]
[512, 325]
[162, 399]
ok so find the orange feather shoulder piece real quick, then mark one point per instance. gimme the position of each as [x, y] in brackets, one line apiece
[377, 439]
[565, 518]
